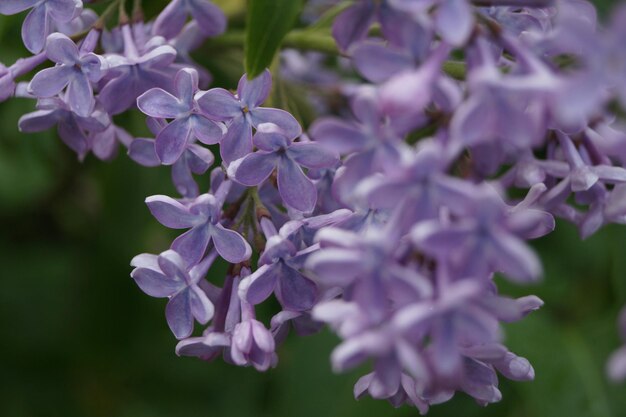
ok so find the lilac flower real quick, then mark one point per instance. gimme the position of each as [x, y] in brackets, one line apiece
[278, 152]
[354, 23]
[134, 73]
[252, 343]
[202, 217]
[73, 129]
[487, 230]
[168, 275]
[242, 112]
[216, 339]
[38, 24]
[106, 143]
[188, 122]
[453, 19]
[278, 273]
[211, 20]
[76, 70]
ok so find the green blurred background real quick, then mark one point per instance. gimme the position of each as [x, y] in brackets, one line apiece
[77, 337]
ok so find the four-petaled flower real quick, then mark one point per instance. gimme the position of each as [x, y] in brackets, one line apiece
[188, 122]
[76, 69]
[168, 275]
[202, 217]
[242, 112]
[38, 24]
[277, 151]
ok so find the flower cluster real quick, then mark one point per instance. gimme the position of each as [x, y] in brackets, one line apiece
[389, 219]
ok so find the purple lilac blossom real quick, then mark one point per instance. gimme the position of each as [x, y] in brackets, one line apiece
[188, 122]
[76, 69]
[38, 24]
[279, 152]
[242, 112]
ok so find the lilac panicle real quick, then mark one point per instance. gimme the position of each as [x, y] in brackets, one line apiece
[474, 126]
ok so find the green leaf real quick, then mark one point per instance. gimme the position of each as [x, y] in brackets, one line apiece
[268, 22]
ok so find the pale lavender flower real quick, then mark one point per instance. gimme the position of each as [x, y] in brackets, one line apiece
[76, 69]
[168, 275]
[279, 152]
[134, 73]
[39, 21]
[252, 343]
[279, 273]
[187, 124]
[242, 112]
[202, 216]
[73, 129]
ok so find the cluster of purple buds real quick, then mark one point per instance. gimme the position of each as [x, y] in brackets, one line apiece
[388, 220]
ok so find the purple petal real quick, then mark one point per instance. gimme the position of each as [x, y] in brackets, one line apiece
[171, 213]
[312, 155]
[378, 62]
[200, 159]
[178, 315]
[192, 244]
[205, 130]
[295, 188]
[255, 168]
[171, 20]
[183, 179]
[210, 18]
[35, 29]
[284, 120]
[51, 81]
[295, 291]
[353, 23]
[237, 142]
[259, 286]
[61, 49]
[142, 151]
[515, 258]
[201, 307]
[38, 121]
[80, 96]
[155, 284]
[160, 104]
[254, 92]
[16, 6]
[455, 21]
[230, 245]
[338, 135]
[64, 10]
[186, 84]
[172, 141]
[219, 104]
